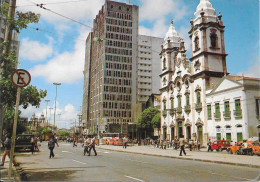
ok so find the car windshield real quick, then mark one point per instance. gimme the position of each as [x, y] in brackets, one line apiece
[24, 137]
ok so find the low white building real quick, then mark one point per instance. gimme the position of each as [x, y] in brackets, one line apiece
[233, 108]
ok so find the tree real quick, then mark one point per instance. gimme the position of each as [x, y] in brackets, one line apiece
[156, 121]
[63, 133]
[29, 95]
[145, 119]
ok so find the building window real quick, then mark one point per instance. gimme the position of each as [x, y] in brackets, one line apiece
[213, 40]
[209, 111]
[227, 110]
[111, 6]
[119, 8]
[257, 101]
[238, 110]
[196, 43]
[217, 111]
[172, 103]
[164, 63]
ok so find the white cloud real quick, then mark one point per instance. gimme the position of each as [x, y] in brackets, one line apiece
[253, 70]
[66, 67]
[34, 50]
[80, 10]
[159, 29]
[64, 116]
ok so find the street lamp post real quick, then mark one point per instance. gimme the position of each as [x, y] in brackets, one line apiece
[46, 112]
[50, 115]
[56, 84]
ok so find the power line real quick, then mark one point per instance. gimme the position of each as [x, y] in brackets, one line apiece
[61, 2]
[42, 6]
[42, 30]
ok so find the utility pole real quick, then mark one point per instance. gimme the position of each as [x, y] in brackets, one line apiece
[56, 84]
[6, 49]
[46, 113]
[50, 116]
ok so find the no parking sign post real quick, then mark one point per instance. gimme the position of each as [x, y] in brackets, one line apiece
[20, 78]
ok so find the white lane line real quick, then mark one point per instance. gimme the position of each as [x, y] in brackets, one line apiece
[67, 152]
[79, 162]
[65, 144]
[134, 178]
[136, 161]
[107, 152]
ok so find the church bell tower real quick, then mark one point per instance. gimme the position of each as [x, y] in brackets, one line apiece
[208, 55]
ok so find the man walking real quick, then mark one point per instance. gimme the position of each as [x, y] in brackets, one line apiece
[51, 145]
[86, 144]
[182, 144]
[92, 146]
[7, 145]
[125, 140]
[209, 145]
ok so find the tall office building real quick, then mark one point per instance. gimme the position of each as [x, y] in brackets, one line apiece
[148, 67]
[110, 72]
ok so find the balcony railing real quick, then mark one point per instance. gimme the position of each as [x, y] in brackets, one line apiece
[227, 115]
[179, 110]
[238, 113]
[217, 116]
[198, 107]
[172, 112]
[187, 109]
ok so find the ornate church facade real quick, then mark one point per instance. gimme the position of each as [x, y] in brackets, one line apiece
[199, 99]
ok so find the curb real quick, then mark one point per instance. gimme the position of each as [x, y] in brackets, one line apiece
[176, 157]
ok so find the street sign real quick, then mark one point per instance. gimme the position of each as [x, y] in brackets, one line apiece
[21, 78]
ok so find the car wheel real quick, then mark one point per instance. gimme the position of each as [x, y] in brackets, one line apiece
[221, 149]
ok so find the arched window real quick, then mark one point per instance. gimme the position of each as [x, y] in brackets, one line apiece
[213, 40]
[164, 63]
[196, 43]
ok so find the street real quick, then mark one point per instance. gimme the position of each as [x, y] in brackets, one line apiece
[69, 164]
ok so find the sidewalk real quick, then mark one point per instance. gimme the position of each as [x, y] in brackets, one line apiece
[202, 155]
[4, 172]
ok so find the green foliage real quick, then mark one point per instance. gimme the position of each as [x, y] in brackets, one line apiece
[156, 121]
[8, 124]
[63, 133]
[29, 95]
[145, 119]
[46, 130]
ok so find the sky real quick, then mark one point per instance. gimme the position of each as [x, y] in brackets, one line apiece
[56, 51]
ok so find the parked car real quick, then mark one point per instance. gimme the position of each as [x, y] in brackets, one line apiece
[253, 149]
[220, 145]
[23, 141]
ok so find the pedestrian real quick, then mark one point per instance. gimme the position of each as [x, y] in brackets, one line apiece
[125, 139]
[51, 145]
[164, 144]
[7, 145]
[190, 144]
[182, 144]
[32, 144]
[209, 145]
[176, 143]
[198, 143]
[92, 146]
[86, 145]
[74, 142]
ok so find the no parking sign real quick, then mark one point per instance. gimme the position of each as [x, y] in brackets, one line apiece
[21, 78]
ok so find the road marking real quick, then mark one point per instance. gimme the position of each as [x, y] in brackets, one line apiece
[134, 178]
[65, 144]
[67, 151]
[136, 161]
[79, 162]
[107, 152]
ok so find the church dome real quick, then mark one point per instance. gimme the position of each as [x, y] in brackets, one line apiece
[206, 7]
[172, 34]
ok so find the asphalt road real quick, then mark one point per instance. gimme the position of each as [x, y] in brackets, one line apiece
[69, 164]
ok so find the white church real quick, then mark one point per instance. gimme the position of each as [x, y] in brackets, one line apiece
[199, 99]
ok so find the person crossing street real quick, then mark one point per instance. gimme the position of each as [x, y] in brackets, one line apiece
[92, 146]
